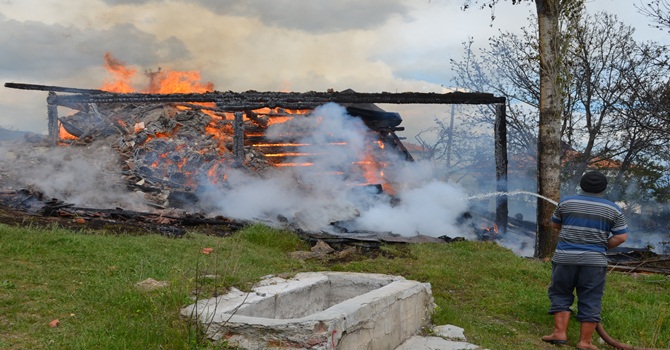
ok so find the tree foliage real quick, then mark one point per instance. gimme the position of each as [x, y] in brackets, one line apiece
[582, 87]
[461, 147]
[658, 12]
[615, 111]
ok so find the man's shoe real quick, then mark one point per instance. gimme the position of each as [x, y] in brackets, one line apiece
[555, 341]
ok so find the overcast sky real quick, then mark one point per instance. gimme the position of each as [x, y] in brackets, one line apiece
[239, 45]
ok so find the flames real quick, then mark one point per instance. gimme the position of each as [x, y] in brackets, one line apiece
[489, 233]
[64, 135]
[280, 154]
[123, 75]
[160, 82]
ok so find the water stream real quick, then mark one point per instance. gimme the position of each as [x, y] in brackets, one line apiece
[512, 193]
[641, 237]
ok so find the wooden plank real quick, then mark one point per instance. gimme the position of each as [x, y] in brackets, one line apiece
[254, 99]
[632, 269]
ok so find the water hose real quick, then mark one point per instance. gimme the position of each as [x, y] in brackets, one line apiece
[616, 344]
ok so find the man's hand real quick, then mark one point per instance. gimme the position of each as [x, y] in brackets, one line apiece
[616, 240]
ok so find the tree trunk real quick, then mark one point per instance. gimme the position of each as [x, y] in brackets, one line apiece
[549, 137]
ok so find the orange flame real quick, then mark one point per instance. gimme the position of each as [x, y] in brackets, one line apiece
[64, 135]
[177, 82]
[493, 229]
[160, 82]
[166, 82]
[293, 164]
[278, 120]
[370, 167]
[122, 73]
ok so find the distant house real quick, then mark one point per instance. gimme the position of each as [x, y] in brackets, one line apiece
[570, 155]
[417, 151]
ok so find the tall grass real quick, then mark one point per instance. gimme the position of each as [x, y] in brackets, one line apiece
[87, 282]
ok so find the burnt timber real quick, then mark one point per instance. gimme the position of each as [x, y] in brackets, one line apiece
[249, 100]
[235, 101]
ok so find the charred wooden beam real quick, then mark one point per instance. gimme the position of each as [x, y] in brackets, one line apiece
[500, 153]
[70, 128]
[52, 115]
[398, 144]
[22, 86]
[238, 137]
[252, 116]
[375, 120]
[254, 99]
[290, 100]
[198, 107]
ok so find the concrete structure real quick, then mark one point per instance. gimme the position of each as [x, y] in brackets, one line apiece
[319, 310]
[445, 337]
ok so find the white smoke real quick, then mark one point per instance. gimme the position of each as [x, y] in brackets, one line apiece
[429, 209]
[329, 195]
[83, 176]
[327, 191]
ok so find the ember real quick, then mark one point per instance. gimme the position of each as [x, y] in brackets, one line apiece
[488, 233]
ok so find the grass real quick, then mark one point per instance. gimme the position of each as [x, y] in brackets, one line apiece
[87, 282]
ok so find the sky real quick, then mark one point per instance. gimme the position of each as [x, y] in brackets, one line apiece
[240, 45]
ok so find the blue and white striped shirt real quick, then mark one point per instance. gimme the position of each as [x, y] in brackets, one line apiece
[587, 222]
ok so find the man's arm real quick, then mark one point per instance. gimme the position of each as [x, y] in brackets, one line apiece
[616, 240]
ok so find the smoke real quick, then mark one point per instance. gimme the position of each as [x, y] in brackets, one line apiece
[84, 176]
[335, 187]
[329, 191]
[429, 209]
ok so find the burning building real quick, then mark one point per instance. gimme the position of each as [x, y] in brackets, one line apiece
[200, 150]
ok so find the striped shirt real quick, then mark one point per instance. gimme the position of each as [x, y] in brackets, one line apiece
[587, 222]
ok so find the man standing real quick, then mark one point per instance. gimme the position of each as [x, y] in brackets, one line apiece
[588, 226]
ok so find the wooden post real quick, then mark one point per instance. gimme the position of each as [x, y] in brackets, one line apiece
[52, 115]
[238, 137]
[501, 167]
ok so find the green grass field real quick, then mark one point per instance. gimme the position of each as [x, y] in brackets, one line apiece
[87, 281]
